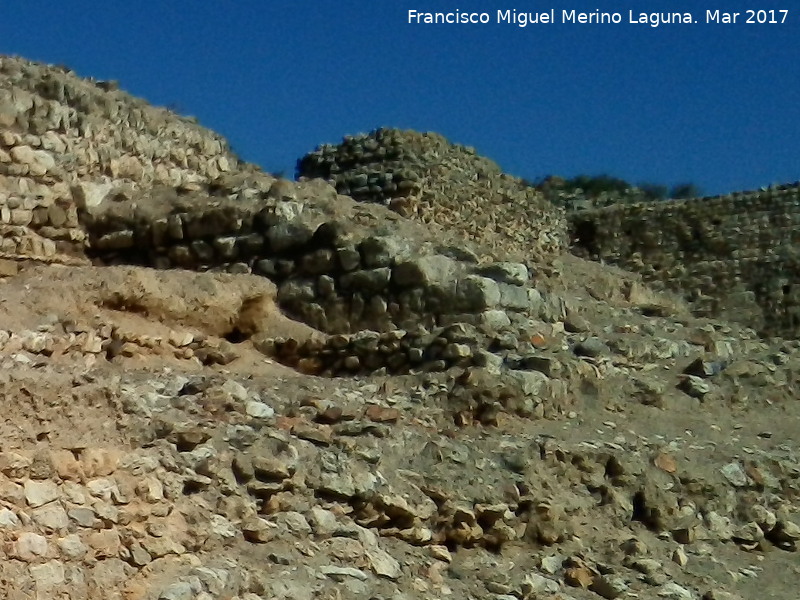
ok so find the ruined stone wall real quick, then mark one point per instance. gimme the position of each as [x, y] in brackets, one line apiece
[328, 276]
[423, 176]
[734, 256]
[90, 173]
[65, 142]
[76, 155]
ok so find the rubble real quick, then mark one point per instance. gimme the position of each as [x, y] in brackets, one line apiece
[221, 385]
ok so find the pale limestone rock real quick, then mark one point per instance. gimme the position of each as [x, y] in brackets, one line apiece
[31, 546]
[50, 140]
[90, 194]
[38, 161]
[105, 543]
[430, 271]
[223, 527]
[102, 488]
[382, 563]
[539, 584]
[66, 465]
[182, 590]
[259, 410]
[440, 552]
[48, 575]
[323, 522]
[12, 492]
[476, 293]
[235, 390]
[51, 516]
[39, 493]
[152, 489]
[295, 522]
[507, 272]
[83, 517]
[14, 465]
[532, 383]
[180, 338]
[9, 519]
[73, 492]
[72, 547]
[10, 139]
[23, 154]
[341, 573]
[99, 462]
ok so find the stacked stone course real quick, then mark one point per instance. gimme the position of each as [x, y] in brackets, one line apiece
[86, 169]
[89, 172]
[422, 175]
[395, 352]
[733, 256]
[326, 276]
[87, 344]
[66, 141]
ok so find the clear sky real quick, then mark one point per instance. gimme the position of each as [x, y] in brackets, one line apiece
[714, 104]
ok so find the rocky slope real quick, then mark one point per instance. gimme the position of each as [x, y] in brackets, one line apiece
[220, 385]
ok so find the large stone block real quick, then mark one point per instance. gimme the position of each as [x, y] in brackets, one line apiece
[213, 223]
[296, 290]
[513, 296]
[384, 251]
[318, 262]
[476, 294]
[495, 320]
[117, 240]
[531, 383]
[367, 281]
[288, 235]
[428, 271]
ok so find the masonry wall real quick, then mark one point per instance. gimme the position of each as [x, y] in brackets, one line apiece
[425, 177]
[68, 145]
[735, 256]
[65, 142]
[91, 173]
[326, 277]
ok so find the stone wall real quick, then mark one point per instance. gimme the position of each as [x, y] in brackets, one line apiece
[90, 172]
[66, 141]
[334, 278]
[735, 256]
[732, 257]
[422, 175]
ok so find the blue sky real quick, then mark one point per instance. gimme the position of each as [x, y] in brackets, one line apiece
[718, 105]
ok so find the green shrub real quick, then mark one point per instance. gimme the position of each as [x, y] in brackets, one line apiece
[683, 191]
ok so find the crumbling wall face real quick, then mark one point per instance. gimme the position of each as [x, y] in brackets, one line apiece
[423, 176]
[66, 141]
[735, 256]
[326, 277]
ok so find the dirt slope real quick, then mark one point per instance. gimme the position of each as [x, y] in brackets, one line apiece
[550, 430]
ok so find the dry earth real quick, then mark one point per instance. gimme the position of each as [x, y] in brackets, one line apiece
[131, 470]
[600, 442]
